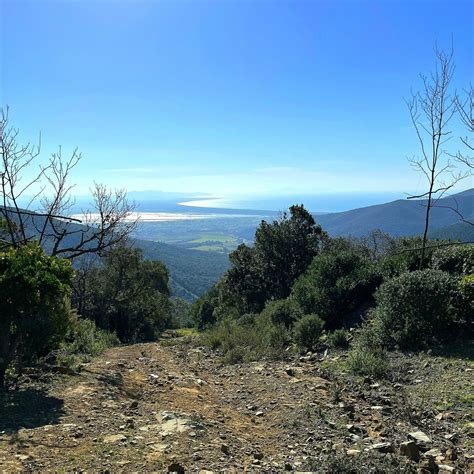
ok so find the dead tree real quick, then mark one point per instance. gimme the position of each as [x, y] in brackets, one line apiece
[465, 108]
[431, 110]
[44, 215]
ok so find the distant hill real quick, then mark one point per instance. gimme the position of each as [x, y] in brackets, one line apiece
[399, 218]
[461, 231]
[192, 272]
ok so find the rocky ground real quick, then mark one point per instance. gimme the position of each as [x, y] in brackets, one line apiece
[172, 406]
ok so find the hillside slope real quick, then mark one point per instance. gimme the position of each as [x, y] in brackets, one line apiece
[401, 217]
[192, 272]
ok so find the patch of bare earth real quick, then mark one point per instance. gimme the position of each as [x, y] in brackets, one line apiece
[172, 406]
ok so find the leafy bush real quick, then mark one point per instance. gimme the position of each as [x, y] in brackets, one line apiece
[403, 255]
[372, 362]
[240, 341]
[34, 304]
[307, 331]
[284, 312]
[338, 338]
[337, 283]
[417, 309]
[465, 305]
[457, 259]
[83, 341]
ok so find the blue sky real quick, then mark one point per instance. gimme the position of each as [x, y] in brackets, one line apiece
[226, 97]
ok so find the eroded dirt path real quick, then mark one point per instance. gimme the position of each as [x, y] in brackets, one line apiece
[171, 406]
[147, 406]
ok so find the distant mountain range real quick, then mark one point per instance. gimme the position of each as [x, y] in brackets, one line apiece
[403, 217]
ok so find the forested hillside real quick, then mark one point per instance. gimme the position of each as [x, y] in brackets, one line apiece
[192, 272]
[400, 218]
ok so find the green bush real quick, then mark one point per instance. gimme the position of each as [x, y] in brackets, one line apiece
[83, 341]
[417, 309]
[307, 331]
[337, 283]
[457, 259]
[246, 341]
[34, 304]
[338, 338]
[465, 305]
[284, 312]
[372, 362]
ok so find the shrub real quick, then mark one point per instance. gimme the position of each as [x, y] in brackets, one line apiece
[307, 331]
[457, 259]
[372, 362]
[417, 309]
[338, 338]
[337, 283]
[284, 312]
[34, 305]
[83, 341]
[246, 341]
[465, 304]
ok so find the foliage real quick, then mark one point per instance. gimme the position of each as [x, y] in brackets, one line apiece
[417, 309]
[34, 310]
[337, 282]
[458, 259]
[180, 313]
[372, 362]
[250, 339]
[307, 331]
[285, 312]
[83, 341]
[126, 295]
[282, 251]
[403, 255]
[465, 304]
[338, 338]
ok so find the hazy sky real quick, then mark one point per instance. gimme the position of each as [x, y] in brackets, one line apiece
[228, 96]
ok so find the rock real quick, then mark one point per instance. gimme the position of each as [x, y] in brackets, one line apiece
[420, 437]
[225, 449]
[435, 452]
[381, 447]
[117, 438]
[173, 423]
[24, 457]
[176, 467]
[353, 452]
[259, 413]
[445, 468]
[428, 465]
[290, 371]
[410, 450]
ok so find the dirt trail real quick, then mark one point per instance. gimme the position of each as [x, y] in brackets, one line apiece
[147, 406]
[172, 406]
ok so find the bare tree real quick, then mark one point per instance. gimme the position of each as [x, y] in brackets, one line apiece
[465, 108]
[431, 110]
[44, 216]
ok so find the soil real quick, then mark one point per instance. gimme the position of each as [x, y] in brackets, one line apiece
[173, 406]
